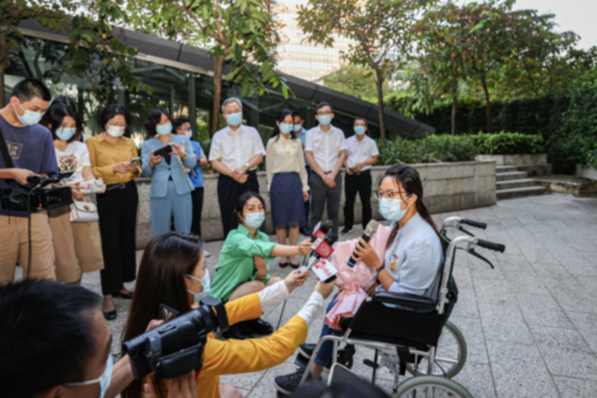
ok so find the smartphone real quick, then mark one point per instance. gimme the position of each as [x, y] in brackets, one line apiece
[135, 160]
[166, 150]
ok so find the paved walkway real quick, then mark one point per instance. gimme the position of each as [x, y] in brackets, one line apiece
[530, 324]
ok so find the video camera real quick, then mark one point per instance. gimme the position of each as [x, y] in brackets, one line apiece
[176, 347]
[30, 197]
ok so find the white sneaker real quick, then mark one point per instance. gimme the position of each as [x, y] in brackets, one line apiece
[206, 253]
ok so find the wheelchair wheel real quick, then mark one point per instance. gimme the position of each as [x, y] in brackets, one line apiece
[431, 387]
[450, 355]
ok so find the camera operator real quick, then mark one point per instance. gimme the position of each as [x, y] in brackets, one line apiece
[56, 343]
[172, 272]
[31, 151]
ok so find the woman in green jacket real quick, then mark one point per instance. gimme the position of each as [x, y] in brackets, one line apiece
[243, 267]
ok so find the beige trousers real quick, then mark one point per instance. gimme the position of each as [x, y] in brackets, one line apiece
[78, 246]
[14, 247]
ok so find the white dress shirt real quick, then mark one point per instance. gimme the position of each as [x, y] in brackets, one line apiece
[285, 155]
[236, 148]
[360, 151]
[417, 255]
[326, 147]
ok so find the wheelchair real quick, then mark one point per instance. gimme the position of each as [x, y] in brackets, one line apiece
[412, 333]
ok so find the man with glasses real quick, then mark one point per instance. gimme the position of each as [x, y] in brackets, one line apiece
[325, 153]
[361, 154]
[29, 147]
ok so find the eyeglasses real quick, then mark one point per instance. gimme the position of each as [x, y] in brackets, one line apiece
[324, 113]
[390, 194]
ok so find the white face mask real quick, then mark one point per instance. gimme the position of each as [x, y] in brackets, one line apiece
[205, 285]
[115, 131]
[189, 133]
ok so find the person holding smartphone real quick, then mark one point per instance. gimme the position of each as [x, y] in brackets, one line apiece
[110, 154]
[170, 190]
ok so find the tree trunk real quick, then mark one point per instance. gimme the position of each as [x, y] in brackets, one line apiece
[218, 67]
[4, 64]
[2, 88]
[487, 106]
[454, 104]
[382, 123]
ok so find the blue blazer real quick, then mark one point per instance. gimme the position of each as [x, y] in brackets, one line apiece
[162, 171]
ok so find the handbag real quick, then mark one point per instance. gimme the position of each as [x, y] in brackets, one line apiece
[83, 211]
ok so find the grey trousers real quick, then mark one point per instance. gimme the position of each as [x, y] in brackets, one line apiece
[320, 194]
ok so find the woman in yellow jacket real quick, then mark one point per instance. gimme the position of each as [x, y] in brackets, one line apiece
[173, 273]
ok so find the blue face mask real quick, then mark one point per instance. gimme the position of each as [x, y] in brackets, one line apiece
[234, 119]
[324, 120]
[390, 209]
[30, 118]
[65, 134]
[104, 379]
[164, 129]
[286, 128]
[254, 220]
[359, 130]
[298, 127]
[205, 284]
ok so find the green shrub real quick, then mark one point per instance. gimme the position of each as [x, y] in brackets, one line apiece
[508, 143]
[435, 148]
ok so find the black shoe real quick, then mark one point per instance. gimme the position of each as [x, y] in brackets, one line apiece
[346, 230]
[306, 350]
[288, 384]
[282, 265]
[110, 316]
[295, 266]
[237, 332]
[258, 326]
[128, 296]
[305, 231]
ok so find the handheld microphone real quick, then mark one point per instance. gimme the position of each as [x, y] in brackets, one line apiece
[369, 231]
[322, 248]
[323, 229]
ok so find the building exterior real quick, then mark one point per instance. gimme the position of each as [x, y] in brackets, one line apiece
[299, 58]
[182, 81]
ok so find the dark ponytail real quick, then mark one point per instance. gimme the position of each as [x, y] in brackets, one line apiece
[410, 181]
[281, 116]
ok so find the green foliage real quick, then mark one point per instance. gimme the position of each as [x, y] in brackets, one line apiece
[507, 143]
[434, 148]
[356, 81]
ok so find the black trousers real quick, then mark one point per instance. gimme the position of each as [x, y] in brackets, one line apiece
[197, 198]
[362, 184]
[117, 211]
[228, 193]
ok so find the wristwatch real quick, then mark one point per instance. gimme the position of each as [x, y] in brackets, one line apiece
[378, 270]
[248, 166]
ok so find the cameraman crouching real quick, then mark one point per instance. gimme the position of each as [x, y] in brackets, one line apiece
[55, 342]
[31, 152]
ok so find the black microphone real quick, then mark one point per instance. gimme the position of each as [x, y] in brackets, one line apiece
[324, 227]
[322, 248]
[369, 231]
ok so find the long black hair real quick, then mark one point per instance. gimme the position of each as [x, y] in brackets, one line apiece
[167, 259]
[55, 115]
[410, 180]
[281, 116]
[154, 118]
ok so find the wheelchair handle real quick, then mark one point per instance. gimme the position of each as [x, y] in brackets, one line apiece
[498, 247]
[473, 223]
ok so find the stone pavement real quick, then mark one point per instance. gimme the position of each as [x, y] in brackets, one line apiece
[530, 323]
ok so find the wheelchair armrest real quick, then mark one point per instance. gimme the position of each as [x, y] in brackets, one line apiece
[410, 300]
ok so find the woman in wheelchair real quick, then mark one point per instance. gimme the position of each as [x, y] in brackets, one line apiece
[413, 256]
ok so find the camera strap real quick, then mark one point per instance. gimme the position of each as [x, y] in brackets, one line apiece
[7, 158]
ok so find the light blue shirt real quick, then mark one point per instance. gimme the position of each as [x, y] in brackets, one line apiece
[195, 174]
[303, 137]
[418, 253]
[162, 171]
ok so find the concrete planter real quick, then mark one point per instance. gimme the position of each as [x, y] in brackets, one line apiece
[586, 171]
[516, 160]
[447, 187]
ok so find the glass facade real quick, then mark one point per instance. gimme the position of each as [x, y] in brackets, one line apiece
[183, 92]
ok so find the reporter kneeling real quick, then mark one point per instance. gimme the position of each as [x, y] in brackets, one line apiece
[172, 272]
[413, 256]
[243, 267]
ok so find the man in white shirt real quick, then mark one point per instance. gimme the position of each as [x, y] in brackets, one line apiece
[325, 154]
[235, 152]
[361, 153]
